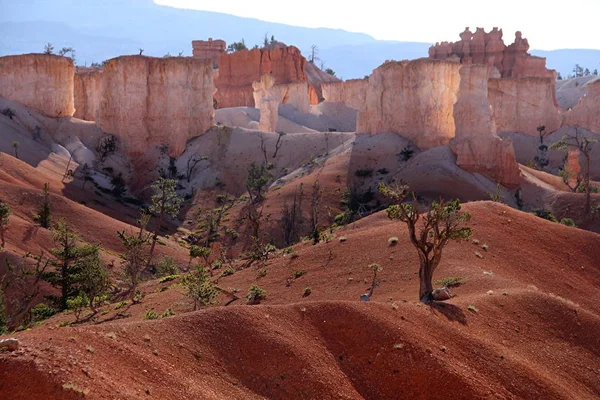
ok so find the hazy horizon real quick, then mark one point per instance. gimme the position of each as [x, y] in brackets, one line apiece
[396, 22]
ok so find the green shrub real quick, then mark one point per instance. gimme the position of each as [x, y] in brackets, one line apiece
[306, 292]
[168, 278]
[545, 214]
[151, 315]
[451, 281]
[262, 273]
[41, 312]
[228, 271]
[255, 295]
[298, 274]
[568, 222]
[167, 267]
[120, 305]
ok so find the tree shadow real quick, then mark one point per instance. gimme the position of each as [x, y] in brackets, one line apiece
[30, 233]
[450, 311]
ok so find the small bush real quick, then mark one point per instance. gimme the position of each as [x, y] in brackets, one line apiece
[41, 312]
[485, 247]
[298, 274]
[545, 214]
[363, 173]
[168, 278]
[120, 305]
[473, 309]
[568, 222]
[228, 271]
[255, 295]
[262, 273]
[168, 313]
[167, 267]
[306, 292]
[151, 315]
[451, 281]
[7, 112]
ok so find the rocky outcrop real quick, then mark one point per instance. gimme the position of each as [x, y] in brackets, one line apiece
[414, 99]
[520, 105]
[586, 113]
[41, 82]
[317, 78]
[209, 49]
[87, 93]
[480, 47]
[267, 102]
[351, 92]
[239, 70]
[476, 145]
[149, 102]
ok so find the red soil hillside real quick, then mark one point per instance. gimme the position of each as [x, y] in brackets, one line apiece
[524, 325]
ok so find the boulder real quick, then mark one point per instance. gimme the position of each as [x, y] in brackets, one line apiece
[11, 344]
[441, 294]
[41, 82]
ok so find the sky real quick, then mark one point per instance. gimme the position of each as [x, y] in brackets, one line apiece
[546, 25]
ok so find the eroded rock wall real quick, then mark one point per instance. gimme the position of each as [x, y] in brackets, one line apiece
[351, 92]
[521, 105]
[87, 93]
[41, 82]
[149, 102]
[476, 145]
[586, 113]
[239, 70]
[413, 99]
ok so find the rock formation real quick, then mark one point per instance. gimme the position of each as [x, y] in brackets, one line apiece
[586, 113]
[149, 102]
[87, 93]
[209, 49]
[414, 99]
[266, 101]
[316, 79]
[512, 61]
[520, 105]
[351, 92]
[476, 145]
[239, 70]
[41, 82]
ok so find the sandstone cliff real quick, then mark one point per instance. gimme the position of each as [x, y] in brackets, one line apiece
[351, 92]
[41, 82]
[87, 93]
[317, 78]
[413, 99]
[586, 113]
[239, 70]
[149, 102]
[476, 145]
[520, 105]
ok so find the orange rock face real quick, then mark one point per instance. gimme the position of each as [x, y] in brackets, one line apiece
[512, 61]
[586, 113]
[87, 93]
[238, 71]
[413, 99]
[476, 145]
[209, 49]
[522, 104]
[351, 92]
[39, 81]
[149, 102]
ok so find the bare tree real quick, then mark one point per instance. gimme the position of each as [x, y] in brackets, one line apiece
[315, 202]
[192, 162]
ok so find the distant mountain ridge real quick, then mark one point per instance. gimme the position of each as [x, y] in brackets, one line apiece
[102, 29]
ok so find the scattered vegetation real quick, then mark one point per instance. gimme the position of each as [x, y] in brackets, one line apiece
[306, 292]
[165, 202]
[5, 213]
[44, 214]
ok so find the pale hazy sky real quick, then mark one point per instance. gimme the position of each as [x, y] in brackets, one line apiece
[547, 24]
